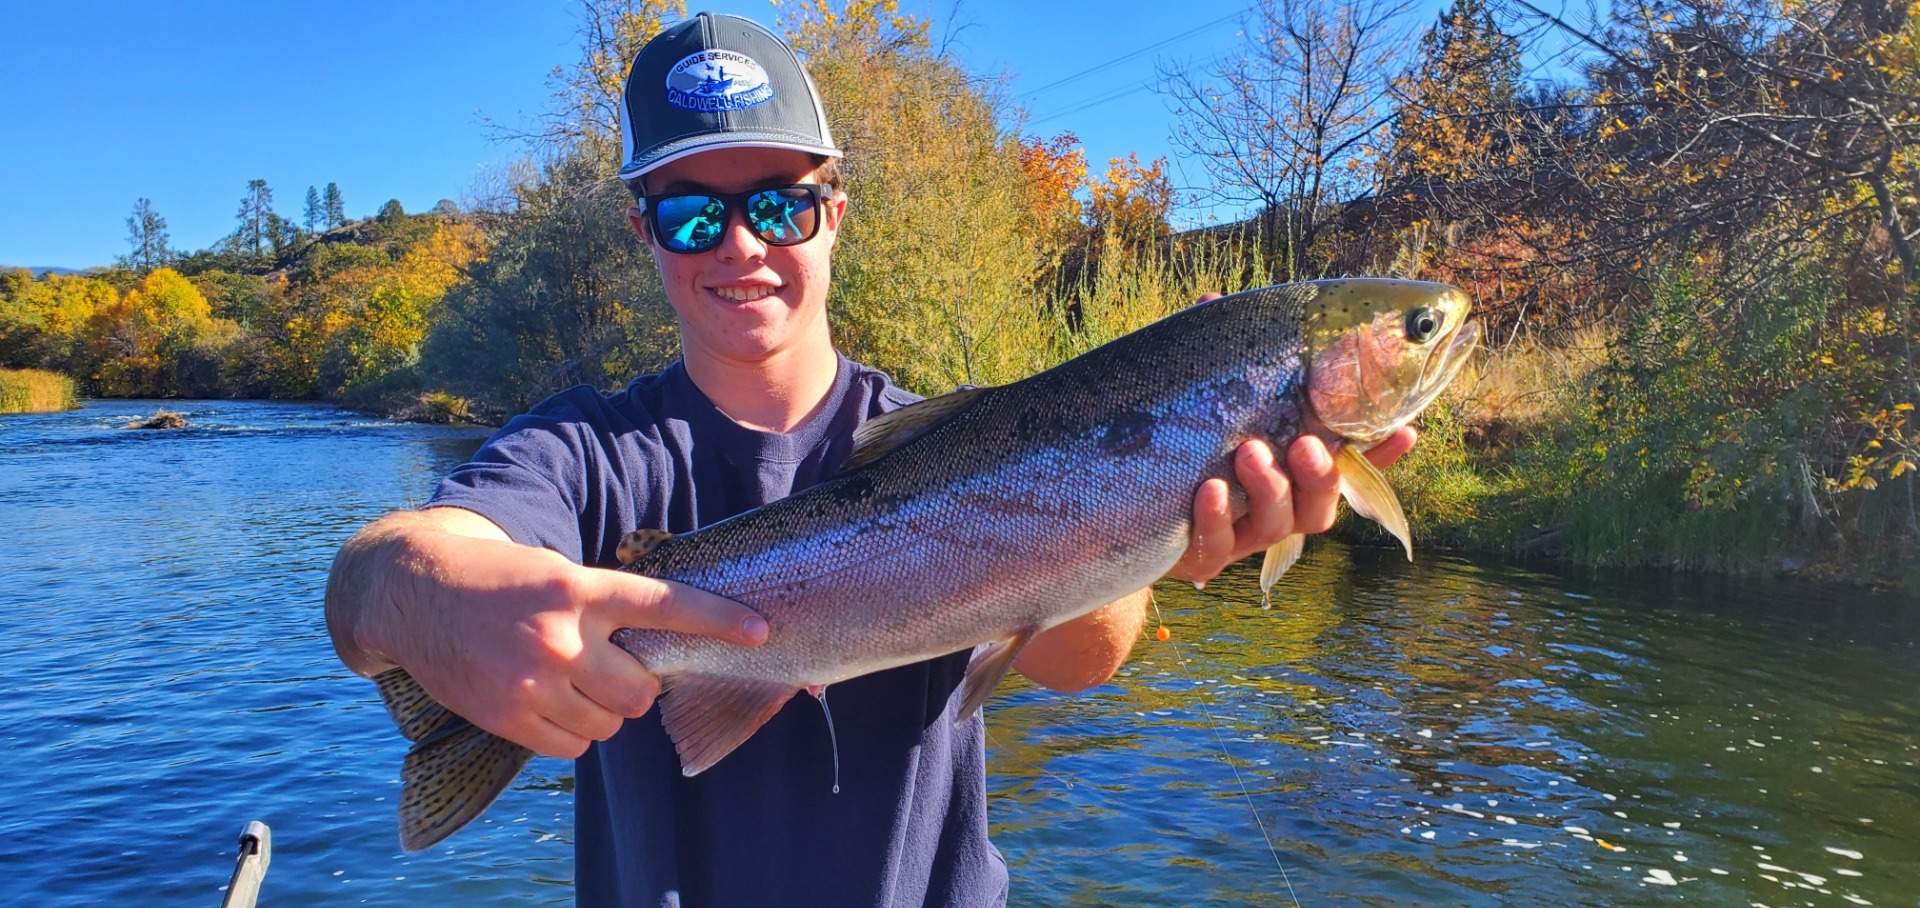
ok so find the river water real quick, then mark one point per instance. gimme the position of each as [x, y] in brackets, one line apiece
[1440, 732]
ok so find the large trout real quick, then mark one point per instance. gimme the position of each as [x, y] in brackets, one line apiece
[991, 514]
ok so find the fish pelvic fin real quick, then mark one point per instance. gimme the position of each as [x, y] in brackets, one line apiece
[987, 668]
[707, 716]
[888, 432]
[1280, 557]
[1367, 491]
[454, 770]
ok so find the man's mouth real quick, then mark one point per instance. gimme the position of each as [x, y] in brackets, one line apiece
[745, 294]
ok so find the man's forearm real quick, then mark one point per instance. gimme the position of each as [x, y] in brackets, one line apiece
[1087, 650]
[362, 609]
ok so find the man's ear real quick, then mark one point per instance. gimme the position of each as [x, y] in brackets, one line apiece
[637, 220]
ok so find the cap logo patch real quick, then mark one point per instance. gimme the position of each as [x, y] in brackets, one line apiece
[716, 80]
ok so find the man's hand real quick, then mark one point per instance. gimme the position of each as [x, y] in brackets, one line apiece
[1276, 506]
[511, 637]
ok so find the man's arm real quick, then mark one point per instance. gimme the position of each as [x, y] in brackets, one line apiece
[1089, 649]
[514, 638]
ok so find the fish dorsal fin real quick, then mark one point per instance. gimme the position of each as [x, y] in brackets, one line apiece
[707, 716]
[987, 668]
[1280, 556]
[884, 434]
[1371, 497]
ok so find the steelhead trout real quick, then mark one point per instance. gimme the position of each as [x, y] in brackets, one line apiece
[988, 515]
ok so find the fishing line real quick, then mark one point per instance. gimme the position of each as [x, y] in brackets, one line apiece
[1213, 725]
[832, 738]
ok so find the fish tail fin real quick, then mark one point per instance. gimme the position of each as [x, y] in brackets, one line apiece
[454, 770]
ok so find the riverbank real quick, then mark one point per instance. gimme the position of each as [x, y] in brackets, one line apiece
[35, 391]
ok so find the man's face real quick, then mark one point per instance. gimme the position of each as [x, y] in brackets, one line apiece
[744, 301]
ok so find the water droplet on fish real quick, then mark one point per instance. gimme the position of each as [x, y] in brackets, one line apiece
[1199, 584]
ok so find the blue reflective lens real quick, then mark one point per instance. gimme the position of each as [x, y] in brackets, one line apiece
[695, 222]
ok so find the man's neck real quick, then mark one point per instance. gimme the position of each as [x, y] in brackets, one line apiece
[778, 394]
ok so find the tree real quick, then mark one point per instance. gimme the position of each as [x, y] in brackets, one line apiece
[391, 211]
[147, 234]
[255, 234]
[584, 118]
[1457, 102]
[314, 215]
[336, 210]
[1292, 123]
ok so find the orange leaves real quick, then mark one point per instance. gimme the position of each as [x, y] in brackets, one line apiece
[1132, 202]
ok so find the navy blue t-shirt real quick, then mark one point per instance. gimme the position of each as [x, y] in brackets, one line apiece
[763, 826]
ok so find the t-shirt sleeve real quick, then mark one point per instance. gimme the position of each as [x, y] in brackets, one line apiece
[529, 479]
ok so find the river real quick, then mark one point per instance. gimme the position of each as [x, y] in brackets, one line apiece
[1437, 732]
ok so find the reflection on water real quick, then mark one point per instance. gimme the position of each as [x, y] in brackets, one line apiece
[1448, 733]
[1438, 732]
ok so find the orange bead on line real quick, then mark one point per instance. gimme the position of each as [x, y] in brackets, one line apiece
[1162, 632]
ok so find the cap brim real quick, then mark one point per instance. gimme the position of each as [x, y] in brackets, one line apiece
[692, 145]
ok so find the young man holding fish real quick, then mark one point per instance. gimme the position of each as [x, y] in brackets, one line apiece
[496, 600]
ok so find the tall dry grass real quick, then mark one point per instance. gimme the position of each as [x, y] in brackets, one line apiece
[35, 391]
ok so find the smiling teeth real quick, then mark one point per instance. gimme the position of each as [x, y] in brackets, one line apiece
[743, 294]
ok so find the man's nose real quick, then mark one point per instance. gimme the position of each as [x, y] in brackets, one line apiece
[738, 242]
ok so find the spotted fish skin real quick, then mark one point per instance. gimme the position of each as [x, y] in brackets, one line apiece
[990, 515]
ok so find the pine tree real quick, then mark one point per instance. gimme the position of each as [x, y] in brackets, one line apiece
[336, 210]
[147, 233]
[257, 220]
[314, 214]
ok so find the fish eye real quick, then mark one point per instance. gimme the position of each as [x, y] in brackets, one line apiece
[1423, 323]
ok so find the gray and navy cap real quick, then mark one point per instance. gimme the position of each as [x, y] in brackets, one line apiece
[718, 81]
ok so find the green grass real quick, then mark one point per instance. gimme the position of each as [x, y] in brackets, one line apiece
[35, 391]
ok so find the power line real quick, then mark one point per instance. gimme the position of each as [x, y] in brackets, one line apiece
[1127, 56]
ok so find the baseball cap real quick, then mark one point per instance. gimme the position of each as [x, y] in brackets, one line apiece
[718, 81]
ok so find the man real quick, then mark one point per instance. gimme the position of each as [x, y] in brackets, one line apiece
[483, 597]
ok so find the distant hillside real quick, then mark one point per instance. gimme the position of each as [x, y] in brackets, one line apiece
[42, 270]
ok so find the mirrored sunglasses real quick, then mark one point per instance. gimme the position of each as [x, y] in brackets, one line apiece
[779, 216]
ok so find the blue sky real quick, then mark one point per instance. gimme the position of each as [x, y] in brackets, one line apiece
[184, 103]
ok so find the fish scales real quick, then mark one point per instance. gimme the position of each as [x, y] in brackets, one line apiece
[987, 515]
[1093, 464]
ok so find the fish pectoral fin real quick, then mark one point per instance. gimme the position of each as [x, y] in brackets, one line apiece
[1280, 556]
[987, 668]
[639, 544]
[707, 716]
[1364, 488]
[450, 777]
[886, 433]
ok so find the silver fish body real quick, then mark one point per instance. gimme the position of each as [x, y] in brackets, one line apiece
[989, 515]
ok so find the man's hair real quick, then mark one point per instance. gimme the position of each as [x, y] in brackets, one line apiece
[825, 170]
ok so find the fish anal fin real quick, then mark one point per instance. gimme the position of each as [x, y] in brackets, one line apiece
[639, 544]
[1367, 491]
[707, 716]
[450, 777]
[1280, 556]
[886, 433]
[987, 668]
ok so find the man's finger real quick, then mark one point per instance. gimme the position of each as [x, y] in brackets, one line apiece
[1316, 487]
[616, 599]
[1269, 498]
[1392, 447]
[617, 682]
[1212, 544]
[577, 714]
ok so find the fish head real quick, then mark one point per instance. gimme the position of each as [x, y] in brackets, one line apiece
[1378, 351]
